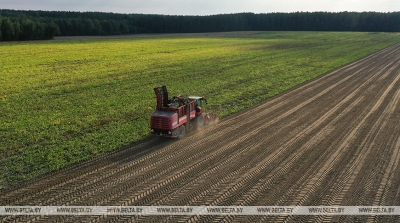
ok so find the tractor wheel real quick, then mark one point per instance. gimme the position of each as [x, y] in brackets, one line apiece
[182, 131]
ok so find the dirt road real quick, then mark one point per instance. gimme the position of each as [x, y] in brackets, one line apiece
[332, 141]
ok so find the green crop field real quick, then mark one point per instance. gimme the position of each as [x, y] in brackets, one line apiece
[62, 102]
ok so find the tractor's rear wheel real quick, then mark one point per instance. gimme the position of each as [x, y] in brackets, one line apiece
[182, 131]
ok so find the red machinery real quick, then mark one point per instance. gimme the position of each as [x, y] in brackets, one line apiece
[170, 119]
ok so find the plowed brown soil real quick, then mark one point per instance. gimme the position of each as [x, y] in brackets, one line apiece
[332, 141]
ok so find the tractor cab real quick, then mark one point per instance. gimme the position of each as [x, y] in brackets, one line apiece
[199, 104]
[199, 100]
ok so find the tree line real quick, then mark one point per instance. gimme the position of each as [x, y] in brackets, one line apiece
[35, 25]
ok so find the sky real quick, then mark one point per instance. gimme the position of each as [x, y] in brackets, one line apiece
[202, 7]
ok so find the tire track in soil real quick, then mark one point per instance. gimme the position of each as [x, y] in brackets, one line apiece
[359, 155]
[344, 175]
[384, 168]
[293, 164]
[221, 165]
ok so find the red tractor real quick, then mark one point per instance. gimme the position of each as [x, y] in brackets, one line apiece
[173, 117]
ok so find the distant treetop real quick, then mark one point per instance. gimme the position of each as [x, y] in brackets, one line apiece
[39, 25]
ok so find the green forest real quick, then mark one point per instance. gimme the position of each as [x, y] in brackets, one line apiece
[41, 25]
